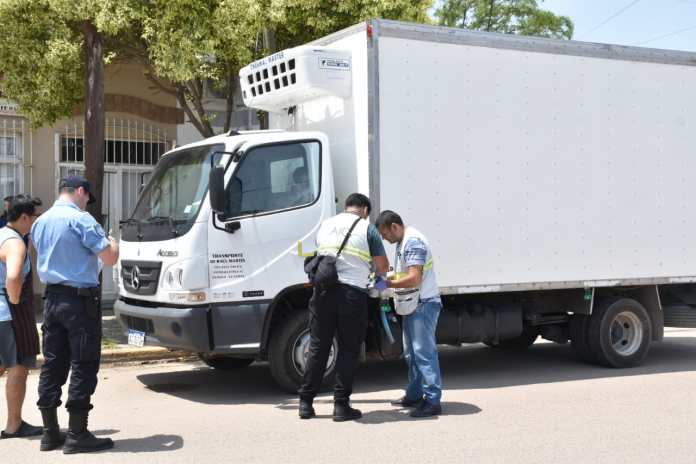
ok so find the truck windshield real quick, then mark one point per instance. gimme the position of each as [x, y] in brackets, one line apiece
[176, 188]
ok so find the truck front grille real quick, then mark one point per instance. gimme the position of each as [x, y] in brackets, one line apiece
[140, 277]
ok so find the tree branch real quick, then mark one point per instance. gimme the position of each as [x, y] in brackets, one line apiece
[195, 90]
[151, 77]
[229, 100]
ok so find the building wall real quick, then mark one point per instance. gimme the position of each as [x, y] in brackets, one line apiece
[135, 112]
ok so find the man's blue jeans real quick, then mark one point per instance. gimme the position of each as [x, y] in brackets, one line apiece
[420, 352]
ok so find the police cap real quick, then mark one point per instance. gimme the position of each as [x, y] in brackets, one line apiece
[76, 182]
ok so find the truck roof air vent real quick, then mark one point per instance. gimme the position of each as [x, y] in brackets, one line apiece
[295, 76]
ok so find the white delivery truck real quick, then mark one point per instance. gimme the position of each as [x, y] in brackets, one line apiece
[554, 180]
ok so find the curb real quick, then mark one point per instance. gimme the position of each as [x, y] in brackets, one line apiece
[134, 355]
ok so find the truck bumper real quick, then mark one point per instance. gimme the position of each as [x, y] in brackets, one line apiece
[233, 329]
[180, 328]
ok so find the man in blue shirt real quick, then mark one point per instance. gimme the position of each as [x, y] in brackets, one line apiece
[70, 246]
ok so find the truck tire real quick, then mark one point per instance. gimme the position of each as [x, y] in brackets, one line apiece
[226, 363]
[287, 352]
[619, 333]
[519, 343]
[579, 331]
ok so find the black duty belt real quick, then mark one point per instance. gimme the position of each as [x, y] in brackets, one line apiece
[72, 291]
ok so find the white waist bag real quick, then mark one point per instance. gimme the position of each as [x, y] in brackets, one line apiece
[406, 300]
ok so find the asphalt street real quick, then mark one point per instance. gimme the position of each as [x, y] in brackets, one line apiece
[540, 406]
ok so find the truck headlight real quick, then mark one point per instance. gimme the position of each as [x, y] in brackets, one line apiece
[174, 278]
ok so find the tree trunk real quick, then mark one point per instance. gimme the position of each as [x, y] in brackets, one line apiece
[94, 116]
[490, 16]
[270, 44]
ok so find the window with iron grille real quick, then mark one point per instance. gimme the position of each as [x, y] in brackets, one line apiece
[10, 163]
[72, 150]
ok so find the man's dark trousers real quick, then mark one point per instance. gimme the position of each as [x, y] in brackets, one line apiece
[72, 331]
[340, 311]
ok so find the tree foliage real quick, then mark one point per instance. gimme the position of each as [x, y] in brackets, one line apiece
[524, 17]
[52, 57]
[191, 43]
[184, 45]
[41, 55]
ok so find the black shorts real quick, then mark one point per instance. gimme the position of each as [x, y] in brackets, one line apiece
[8, 349]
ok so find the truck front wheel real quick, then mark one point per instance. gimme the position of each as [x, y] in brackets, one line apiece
[619, 333]
[288, 350]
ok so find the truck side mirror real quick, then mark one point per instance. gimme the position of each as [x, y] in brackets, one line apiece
[216, 184]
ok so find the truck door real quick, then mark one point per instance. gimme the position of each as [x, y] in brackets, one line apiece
[275, 200]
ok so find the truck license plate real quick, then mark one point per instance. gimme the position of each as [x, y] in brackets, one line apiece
[136, 337]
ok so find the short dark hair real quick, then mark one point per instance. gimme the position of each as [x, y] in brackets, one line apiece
[8, 198]
[359, 200]
[22, 204]
[387, 217]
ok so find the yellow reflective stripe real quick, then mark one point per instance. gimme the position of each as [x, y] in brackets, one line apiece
[350, 251]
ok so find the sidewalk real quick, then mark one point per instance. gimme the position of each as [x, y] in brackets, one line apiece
[115, 347]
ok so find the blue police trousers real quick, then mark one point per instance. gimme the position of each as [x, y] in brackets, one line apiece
[72, 331]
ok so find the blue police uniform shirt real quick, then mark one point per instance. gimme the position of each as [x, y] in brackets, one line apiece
[67, 241]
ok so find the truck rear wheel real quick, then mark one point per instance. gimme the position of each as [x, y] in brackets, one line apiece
[225, 363]
[288, 349]
[619, 333]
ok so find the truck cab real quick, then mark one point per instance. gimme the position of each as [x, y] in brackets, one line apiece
[206, 281]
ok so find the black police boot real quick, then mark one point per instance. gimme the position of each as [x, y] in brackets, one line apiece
[81, 440]
[306, 410]
[343, 412]
[52, 437]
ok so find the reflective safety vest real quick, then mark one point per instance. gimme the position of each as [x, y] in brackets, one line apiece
[355, 263]
[428, 287]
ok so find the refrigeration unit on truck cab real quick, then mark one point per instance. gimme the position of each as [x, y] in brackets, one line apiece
[552, 178]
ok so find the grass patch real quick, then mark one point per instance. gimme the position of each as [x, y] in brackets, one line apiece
[109, 343]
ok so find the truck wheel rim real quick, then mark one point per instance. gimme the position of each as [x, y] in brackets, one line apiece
[626, 333]
[300, 352]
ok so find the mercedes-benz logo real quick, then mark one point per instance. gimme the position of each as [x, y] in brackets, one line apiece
[135, 278]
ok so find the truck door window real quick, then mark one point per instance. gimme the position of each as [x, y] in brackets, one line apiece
[276, 177]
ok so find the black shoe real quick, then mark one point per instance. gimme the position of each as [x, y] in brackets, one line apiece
[306, 410]
[427, 410]
[343, 412]
[404, 402]
[52, 437]
[81, 440]
[25, 430]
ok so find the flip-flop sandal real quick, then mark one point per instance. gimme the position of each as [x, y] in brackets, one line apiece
[25, 430]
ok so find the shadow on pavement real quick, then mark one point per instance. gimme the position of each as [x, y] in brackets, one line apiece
[152, 444]
[105, 432]
[397, 415]
[469, 367]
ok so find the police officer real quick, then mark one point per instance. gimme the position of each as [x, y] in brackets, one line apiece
[342, 310]
[70, 245]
